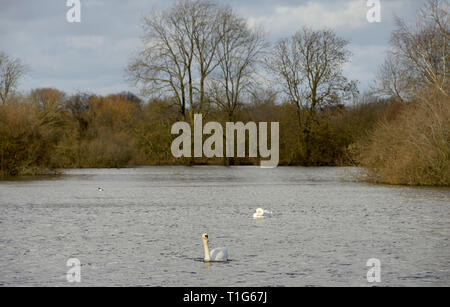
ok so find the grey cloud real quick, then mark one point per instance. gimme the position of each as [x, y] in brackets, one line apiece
[92, 55]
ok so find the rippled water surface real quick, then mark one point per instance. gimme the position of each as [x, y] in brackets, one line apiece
[145, 228]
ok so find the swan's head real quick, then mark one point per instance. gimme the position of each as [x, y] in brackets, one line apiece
[205, 237]
[260, 211]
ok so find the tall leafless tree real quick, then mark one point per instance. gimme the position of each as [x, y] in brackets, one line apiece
[11, 70]
[238, 55]
[180, 47]
[309, 67]
[206, 18]
[424, 47]
[162, 67]
[394, 80]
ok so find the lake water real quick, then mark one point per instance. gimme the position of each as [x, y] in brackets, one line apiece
[144, 228]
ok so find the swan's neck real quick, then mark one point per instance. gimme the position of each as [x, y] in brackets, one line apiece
[206, 248]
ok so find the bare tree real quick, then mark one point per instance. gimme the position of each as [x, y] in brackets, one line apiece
[394, 80]
[285, 63]
[47, 99]
[197, 24]
[163, 65]
[180, 52]
[309, 68]
[206, 18]
[238, 54]
[11, 70]
[424, 47]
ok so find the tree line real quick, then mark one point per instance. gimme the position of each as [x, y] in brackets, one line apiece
[202, 57]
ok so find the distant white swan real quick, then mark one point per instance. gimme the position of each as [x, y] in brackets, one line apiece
[217, 254]
[261, 213]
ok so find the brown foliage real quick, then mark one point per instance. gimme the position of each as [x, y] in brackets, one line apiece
[414, 149]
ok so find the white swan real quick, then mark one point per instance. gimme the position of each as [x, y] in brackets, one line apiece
[261, 213]
[217, 254]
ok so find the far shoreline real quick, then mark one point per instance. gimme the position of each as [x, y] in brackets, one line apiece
[55, 174]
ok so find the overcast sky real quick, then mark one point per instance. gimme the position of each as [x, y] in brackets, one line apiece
[92, 55]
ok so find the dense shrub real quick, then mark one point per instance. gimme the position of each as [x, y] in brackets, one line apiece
[414, 149]
[397, 143]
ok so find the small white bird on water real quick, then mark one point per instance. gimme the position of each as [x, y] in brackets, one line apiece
[217, 254]
[100, 189]
[262, 214]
